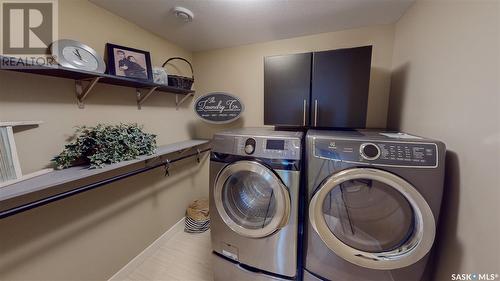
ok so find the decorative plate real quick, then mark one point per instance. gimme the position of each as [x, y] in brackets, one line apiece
[76, 55]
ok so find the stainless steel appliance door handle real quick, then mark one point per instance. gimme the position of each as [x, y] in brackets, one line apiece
[315, 113]
[304, 111]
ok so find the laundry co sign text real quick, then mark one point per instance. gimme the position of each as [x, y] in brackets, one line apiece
[218, 108]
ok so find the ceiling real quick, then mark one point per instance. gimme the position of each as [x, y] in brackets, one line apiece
[227, 23]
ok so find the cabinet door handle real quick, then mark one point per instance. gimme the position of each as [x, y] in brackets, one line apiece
[315, 113]
[304, 111]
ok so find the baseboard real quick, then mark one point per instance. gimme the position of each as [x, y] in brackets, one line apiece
[123, 273]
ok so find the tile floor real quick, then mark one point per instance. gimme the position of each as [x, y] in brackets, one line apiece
[183, 257]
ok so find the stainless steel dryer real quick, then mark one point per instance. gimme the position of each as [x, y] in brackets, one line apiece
[374, 200]
[254, 188]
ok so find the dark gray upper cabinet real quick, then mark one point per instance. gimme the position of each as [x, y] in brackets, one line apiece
[340, 83]
[287, 83]
[322, 89]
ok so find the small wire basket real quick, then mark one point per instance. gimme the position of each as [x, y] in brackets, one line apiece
[181, 82]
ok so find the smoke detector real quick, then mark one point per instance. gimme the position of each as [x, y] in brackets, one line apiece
[183, 14]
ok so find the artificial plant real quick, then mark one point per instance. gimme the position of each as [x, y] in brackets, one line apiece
[105, 144]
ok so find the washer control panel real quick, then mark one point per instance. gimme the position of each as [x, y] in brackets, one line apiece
[384, 153]
[272, 148]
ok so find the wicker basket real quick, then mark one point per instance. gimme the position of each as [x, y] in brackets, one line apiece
[181, 82]
[197, 217]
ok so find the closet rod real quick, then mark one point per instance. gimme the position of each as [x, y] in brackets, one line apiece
[69, 193]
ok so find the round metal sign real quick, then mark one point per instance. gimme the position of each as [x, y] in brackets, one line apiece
[218, 108]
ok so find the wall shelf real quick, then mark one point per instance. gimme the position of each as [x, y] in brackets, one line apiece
[60, 184]
[85, 82]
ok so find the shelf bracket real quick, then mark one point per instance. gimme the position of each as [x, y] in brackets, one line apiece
[178, 103]
[82, 92]
[141, 98]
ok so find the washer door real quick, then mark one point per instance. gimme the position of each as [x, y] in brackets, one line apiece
[251, 199]
[373, 219]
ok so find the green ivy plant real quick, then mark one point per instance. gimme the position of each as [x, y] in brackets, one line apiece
[105, 144]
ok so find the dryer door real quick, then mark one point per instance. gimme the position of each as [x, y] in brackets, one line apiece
[251, 199]
[372, 218]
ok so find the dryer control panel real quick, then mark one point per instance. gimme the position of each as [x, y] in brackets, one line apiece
[381, 153]
[265, 147]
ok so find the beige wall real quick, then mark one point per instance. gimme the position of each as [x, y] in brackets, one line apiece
[446, 86]
[240, 70]
[92, 235]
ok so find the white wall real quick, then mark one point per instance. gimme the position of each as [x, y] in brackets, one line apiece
[445, 85]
